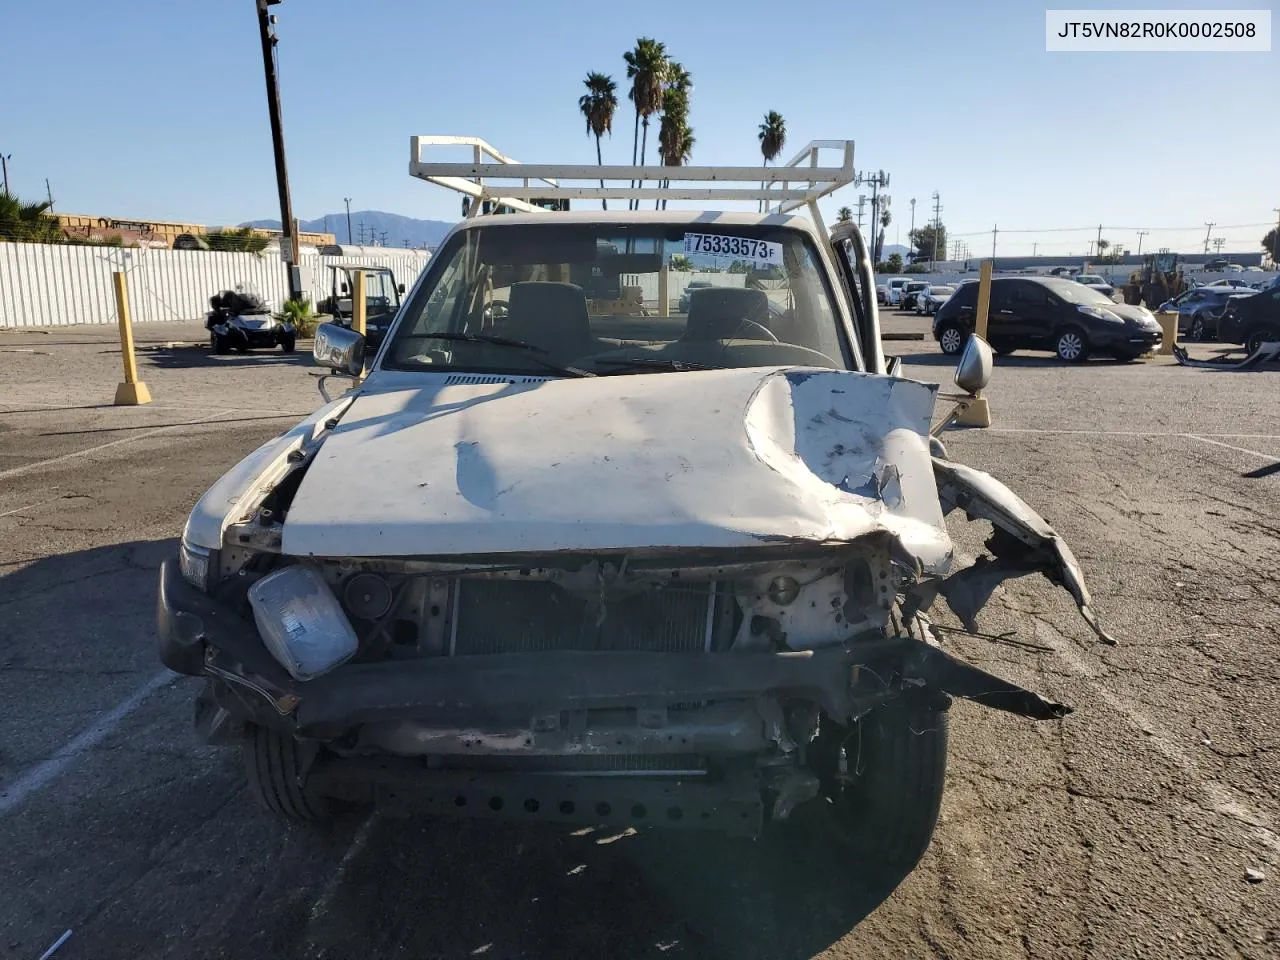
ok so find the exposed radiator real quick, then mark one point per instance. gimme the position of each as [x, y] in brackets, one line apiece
[513, 616]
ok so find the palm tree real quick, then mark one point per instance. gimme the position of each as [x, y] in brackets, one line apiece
[675, 137]
[646, 69]
[773, 137]
[885, 218]
[29, 222]
[844, 215]
[597, 106]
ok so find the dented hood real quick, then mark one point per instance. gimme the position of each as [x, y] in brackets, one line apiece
[730, 458]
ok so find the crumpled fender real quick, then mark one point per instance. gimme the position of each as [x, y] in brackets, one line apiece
[1023, 543]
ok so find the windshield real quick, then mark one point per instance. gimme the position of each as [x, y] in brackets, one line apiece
[1074, 292]
[614, 299]
[1090, 278]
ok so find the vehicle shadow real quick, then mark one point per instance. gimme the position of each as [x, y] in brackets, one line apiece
[198, 355]
[542, 891]
[372, 887]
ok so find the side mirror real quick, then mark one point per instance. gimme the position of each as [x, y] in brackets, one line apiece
[400, 288]
[344, 288]
[973, 372]
[340, 349]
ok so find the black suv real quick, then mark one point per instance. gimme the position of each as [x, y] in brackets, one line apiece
[1048, 313]
[1252, 321]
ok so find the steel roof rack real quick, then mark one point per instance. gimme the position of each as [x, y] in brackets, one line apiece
[800, 182]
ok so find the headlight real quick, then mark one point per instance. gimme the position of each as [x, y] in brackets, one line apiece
[301, 622]
[1098, 313]
[198, 565]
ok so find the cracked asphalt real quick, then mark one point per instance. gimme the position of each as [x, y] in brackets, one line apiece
[1125, 830]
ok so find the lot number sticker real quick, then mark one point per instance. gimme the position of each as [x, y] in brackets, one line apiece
[744, 248]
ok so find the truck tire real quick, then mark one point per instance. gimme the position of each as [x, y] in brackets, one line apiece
[896, 759]
[273, 764]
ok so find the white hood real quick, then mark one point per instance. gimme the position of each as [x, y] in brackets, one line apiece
[717, 458]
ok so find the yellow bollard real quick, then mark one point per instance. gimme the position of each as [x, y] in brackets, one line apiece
[358, 304]
[978, 412]
[133, 392]
[1168, 321]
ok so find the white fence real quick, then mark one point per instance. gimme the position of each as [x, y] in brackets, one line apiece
[678, 281]
[55, 284]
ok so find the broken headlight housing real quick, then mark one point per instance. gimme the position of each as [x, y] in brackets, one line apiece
[198, 565]
[301, 622]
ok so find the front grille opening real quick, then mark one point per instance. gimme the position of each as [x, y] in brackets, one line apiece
[520, 616]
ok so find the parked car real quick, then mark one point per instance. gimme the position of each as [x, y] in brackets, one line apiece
[1216, 265]
[910, 291]
[487, 583]
[1252, 320]
[1097, 282]
[1048, 313]
[893, 290]
[688, 293]
[1200, 309]
[241, 320]
[882, 293]
[932, 297]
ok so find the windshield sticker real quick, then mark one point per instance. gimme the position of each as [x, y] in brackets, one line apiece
[744, 248]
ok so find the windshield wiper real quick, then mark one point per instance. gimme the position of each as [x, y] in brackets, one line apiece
[653, 363]
[531, 348]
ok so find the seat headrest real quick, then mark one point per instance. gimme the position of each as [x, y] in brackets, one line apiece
[551, 315]
[717, 313]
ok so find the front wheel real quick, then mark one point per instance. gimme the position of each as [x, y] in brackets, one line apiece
[1071, 346]
[1197, 331]
[1267, 334]
[217, 342]
[287, 344]
[274, 765]
[951, 339]
[886, 779]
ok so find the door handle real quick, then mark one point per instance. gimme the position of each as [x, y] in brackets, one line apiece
[1005, 311]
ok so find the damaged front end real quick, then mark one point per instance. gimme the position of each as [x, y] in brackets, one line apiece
[716, 686]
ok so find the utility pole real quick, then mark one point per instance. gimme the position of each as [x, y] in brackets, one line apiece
[48, 192]
[4, 162]
[910, 241]
[994, 231]
[362, 233]
[287, 227]
[1033, 248]
[347, 201]
[881, 179]
[382, 239]
[937, 226]
[1208, 230]
[1141, 234]
[1098, 246]
[1217, 244]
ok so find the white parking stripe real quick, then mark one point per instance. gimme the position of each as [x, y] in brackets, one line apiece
[330, 891]
[43, 773]
[14, 471]
[29, 506]
[1133, 433]
[1218, 443]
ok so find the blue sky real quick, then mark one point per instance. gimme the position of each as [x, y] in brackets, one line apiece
[157, 110]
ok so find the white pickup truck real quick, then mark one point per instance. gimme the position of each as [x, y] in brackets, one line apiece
[548, 559]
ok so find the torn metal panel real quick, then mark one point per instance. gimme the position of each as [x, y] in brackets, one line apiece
[1267, 353]
[1023, 543]
[931, 667]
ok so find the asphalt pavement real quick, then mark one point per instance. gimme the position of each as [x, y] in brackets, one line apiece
[1146, 824]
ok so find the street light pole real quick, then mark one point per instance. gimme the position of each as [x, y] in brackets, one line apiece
[347, 201]
[277, 141]
[4, 161]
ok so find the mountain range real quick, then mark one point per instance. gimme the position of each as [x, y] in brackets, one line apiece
[389, 229]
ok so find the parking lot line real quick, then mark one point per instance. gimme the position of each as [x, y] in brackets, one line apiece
[29, 506]
[1218, 443]
[1134, 433]
[14, 471]
[46, 771]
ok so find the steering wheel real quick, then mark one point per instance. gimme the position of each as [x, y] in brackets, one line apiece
[746, 326]
[496, 310]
